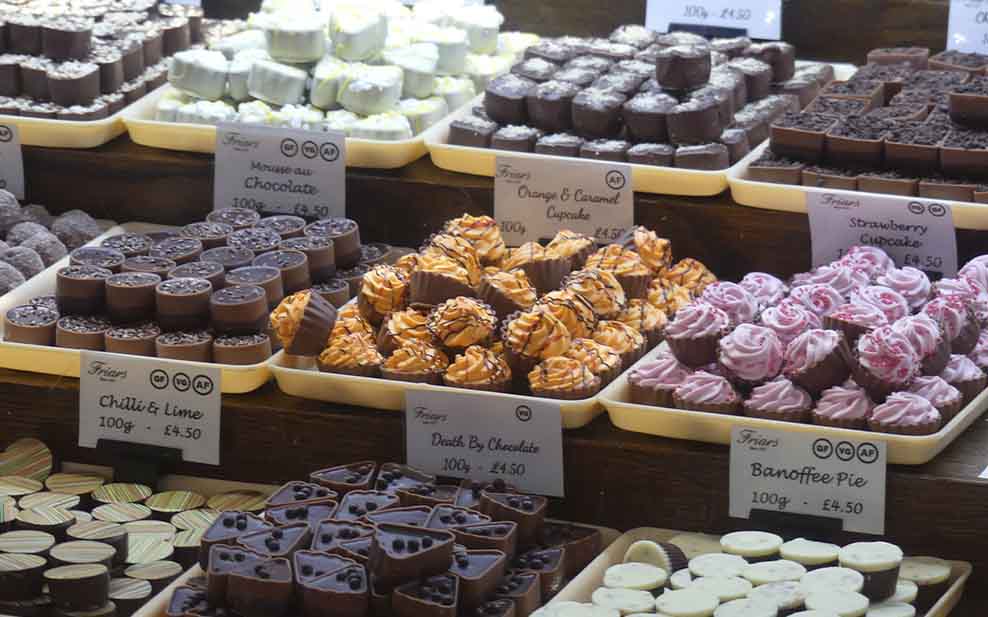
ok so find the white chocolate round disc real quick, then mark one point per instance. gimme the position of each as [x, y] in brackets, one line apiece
[640, 576]
[844, 603]
[809, 552]
[717, 564]
[726, 588]
[925, 570]
[681, 579]
[775, 571]
[625, 601]
[751, 543]
[891, 609]
[687, 603]
[905, 591]
[746, 607]
[787, 595]
[835, 579]
[870, 556]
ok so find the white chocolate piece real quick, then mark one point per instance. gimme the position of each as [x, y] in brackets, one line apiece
[925, 570]
[169, 104]
[641, 576]
[726, 588]
[870, 556]
[844, 603]
[206, 112]
[297, 117]
[696, 544]
[776, 571]
[418, 63]
[687, 603]
[231, 45]
[645, 551]
[905, 591]
[423, 113]
[358, 32]
[482, 24]
[839, 579]
[340, 120]
[389, 126]
[747, 608]
[891, 609]
[399, 34]
[681, 579]
[787, 595]
[717, 564]
[199, 72]
[253, 112]
[276, 83]
[296, 39]
[436, 12]
[458, 91]
[452, 46]
[369, 90]
[751, 543]
[809, 552]
[625, 601]
[327, 78]
[513, 44]
[482, 69]
[236, 85]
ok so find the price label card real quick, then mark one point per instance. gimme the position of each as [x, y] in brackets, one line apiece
[535, 198]
[967, 28]
[280, 171]
[914, 232]
[761, 18]
[11, 161]
[516, 439]
[803, 473]
[150, 401]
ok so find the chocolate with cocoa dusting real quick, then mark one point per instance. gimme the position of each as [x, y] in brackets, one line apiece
[130, 244]
[84, 324]
[145, 263]
[108, 258]
[285, 225]
[209, 233]
[239, 218]
[257, 239]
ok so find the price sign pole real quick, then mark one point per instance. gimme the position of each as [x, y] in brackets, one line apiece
[804, 474]
[760, 19]
[535, 198]
[11, 161]
[280, 171]
[516, 439]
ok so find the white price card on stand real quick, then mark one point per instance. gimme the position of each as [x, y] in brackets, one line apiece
[150, 401]
[280, 171]
[967, 28]
[11, 161]
[534, 198]
[913, 231]
[762, 19]
[805, 473]
[485, 438]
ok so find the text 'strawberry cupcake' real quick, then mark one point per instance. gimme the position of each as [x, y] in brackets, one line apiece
[645, 318]
[820, 298]
[964, 375]
[843, 407]
[903, 413]
[873, 261]
[563, 378]
[626, 266]
[788, 320]
[947, 399]
[478, 368]
[653, 381]
[622, 338]
[507, 292]
[885, 362]
[846, 280]
[816, 360]
[574, 310]
[695, 332]
[668, 296]
[741, 307]
[854, 319]
[911, 283]
[483, 233]
[779, 399]
[891, 303]
[691, 274]
[602, 360]
[602, 290]
[703, 391]
[751, 355]
[927, 339]
[768, 290]
[957, 320]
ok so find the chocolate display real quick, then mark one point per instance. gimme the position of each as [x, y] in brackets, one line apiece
[679, 96]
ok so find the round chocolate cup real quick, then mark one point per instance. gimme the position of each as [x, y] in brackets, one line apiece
[99, 256]
[239, 309]
[211, 235]
[181, 250]
[320, 252]
[345, 234]
[375, 253]
[336, 291]
[183, 304]
[286, 225]
[131, 245]
[31, 325]
[187, 346]
[266, 277]
[145, 263]
[293, 265]
[241, 350]
[81, 289]
[130, 296]
[256, 239]
[230, 258]
[238, 218]
[79, 332]
[209, 270]
[137, 340]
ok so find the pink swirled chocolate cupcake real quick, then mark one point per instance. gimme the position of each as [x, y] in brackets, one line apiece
[980, 354]
[751, 354]
[703, 391]
[957, 320]
[653, 381]
[854, 319]
[843, 407]
[964, 375]
[888, 301]
[693, 334]
[967, 288]
[740, 306]
[816, 360]
[903, 413]
[767, 289]
[788, 320]
[820, 298]
[911, 282]
[779, 399]
[927, 339]
[976, 269]
[884, 362]
[844, 279]
[947, 399]
[871, 260]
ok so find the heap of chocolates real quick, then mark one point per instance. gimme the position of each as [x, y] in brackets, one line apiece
[364, 539]
[198, 293]
[89, 59]
[906, 123]
[675, 99]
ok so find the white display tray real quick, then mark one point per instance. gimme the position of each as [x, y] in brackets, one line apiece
[69, 133]
[716, 428]
[645, 178]
[584, 584]
[65, 362]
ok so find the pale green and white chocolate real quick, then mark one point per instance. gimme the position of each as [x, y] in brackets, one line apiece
[458, 91]
[418, 62]
[295, 38]
[482, 69]
[236, 85]
[482, 23]
[327, 78]
[276, 83]
[388, 126]
[358, 31]
[369, 90]
[205, 112]
[452, 45]
[340, 120]
[513, 44]
[423, 113]
[199, 72]
[233, 44]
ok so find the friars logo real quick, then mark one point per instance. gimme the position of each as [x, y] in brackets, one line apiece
[106, 372]
[755, 441]
[428, 417]
[839, 202]
[240, 143]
